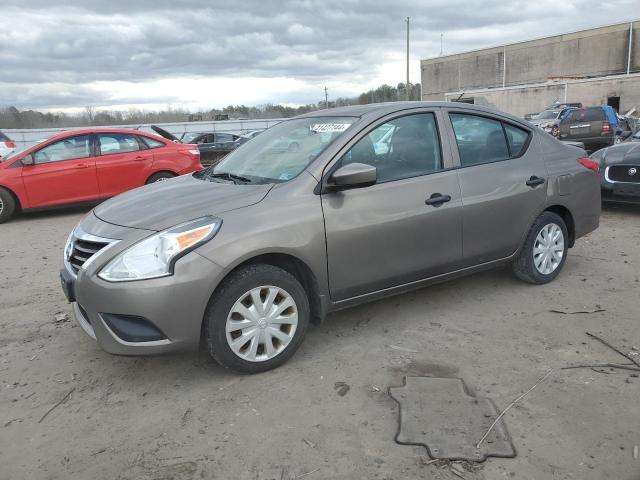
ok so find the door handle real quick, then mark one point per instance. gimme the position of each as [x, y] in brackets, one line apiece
[82, 165]
[139, 158]
[535, 181]
[437, 199]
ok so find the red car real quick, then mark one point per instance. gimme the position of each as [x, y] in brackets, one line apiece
[87, 166]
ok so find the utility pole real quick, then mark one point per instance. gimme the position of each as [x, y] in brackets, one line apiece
[326, 98]
[407, 86]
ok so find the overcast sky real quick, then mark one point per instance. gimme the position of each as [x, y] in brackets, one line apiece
[201, 54]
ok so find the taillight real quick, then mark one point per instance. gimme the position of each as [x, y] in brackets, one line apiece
[586, 162]
[606, 128]
[10, 144]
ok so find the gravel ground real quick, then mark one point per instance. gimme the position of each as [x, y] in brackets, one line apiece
[183, 417]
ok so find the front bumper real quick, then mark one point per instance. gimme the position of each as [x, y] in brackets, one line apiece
[619, 192]
[173, 305]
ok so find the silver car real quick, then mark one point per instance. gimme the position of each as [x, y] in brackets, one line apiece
[242, 256]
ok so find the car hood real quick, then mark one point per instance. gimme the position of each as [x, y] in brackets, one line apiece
[163, 133]
[164, 204]
[628, 152]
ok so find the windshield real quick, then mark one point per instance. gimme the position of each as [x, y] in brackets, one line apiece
[283, 151]
[189, 137]
[548, 114]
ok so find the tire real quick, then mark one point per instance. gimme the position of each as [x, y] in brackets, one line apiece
[7, 205]
[537, 270]
[223, 308]
[159, 177]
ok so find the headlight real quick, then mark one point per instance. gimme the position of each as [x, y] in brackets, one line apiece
[68, 247]
[155, 256]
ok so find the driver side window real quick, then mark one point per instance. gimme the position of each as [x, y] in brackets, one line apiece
[405, 147]
[71, 148]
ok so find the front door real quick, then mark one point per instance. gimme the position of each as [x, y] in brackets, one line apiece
[122, 163]
[63, 172]
[394, 232]
[503, 183]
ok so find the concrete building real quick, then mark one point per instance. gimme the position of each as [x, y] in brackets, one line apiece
[596, 66]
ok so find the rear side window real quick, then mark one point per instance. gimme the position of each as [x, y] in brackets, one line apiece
[480, 140]
[517, 139]
[4, 138]
[151, 143]
[110, 143]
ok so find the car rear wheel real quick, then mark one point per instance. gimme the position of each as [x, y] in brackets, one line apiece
[256, 319]
[544, 251]
[7, 205]
[160, 177]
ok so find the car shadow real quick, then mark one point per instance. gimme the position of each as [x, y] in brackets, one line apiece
[626, 208]
[53, 213]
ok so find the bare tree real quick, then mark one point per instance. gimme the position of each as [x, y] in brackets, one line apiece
[90, 112]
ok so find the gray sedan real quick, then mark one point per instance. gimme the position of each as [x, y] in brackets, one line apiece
[241, 257]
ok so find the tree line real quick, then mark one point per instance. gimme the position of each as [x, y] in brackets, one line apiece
[12, 117]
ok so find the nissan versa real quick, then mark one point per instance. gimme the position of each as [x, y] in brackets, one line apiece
[376, 200]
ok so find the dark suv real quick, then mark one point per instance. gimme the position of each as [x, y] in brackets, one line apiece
[593, 126]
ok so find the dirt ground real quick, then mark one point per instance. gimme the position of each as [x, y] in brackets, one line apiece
[183, 417]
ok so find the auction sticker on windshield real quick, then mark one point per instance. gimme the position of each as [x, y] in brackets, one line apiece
[330, 127]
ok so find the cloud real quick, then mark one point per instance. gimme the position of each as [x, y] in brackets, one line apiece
[205, 54]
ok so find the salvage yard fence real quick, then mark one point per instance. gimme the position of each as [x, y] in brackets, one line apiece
[29, 136]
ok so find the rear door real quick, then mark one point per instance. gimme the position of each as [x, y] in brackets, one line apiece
[387, 234]
[63, 172]
[502, 181]
[123, 162]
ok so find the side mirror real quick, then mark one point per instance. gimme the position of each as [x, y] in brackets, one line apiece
[353, 175]
[27, 160]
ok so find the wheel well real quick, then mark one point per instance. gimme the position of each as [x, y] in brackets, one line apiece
[568, 220]
[298, 269]
[15, 197]
[162, 171]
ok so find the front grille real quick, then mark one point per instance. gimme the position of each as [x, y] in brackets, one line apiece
[624, 173]
[82, 251]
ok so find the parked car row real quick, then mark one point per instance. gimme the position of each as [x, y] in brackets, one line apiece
[87, 166]
[610, 138]
[213, 146]
[594, 127]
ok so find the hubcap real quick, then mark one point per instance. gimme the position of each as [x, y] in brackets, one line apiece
[1, 206]
[262, 323]
[548, 249]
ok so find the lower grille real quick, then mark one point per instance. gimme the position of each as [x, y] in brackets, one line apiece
[624, 173]
[82, 251]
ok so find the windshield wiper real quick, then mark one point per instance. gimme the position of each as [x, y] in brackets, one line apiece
[230, 176]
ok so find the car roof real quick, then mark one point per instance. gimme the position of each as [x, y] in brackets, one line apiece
[86, 131]
[381, 109]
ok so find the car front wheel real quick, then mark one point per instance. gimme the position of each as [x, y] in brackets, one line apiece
[544, 251]
[7, 205]
[256, 319]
